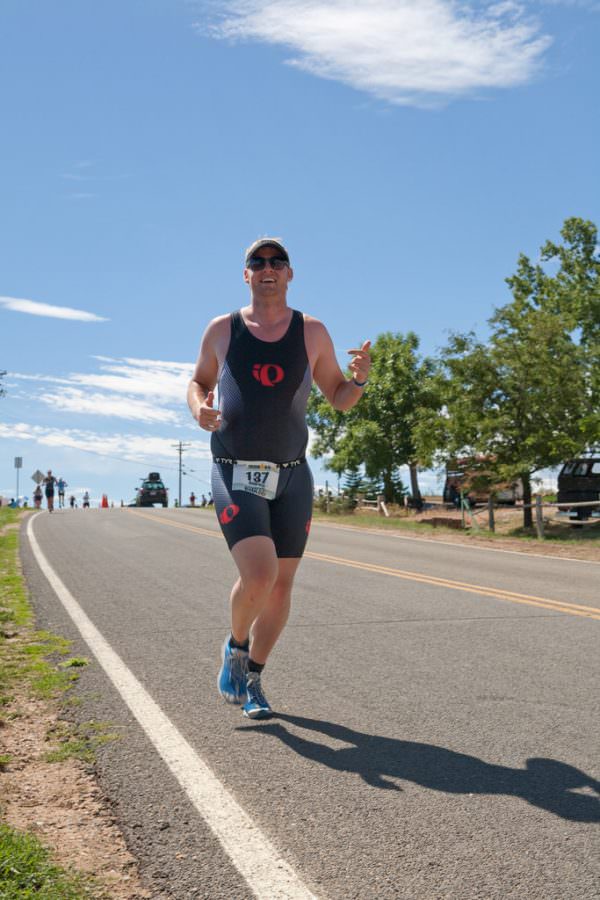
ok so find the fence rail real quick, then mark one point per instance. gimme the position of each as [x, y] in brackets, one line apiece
[564, 508]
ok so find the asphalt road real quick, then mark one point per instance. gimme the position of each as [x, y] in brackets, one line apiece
[438, 706]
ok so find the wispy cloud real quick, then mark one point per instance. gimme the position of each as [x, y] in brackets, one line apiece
[411, 52]
[134, 447]
[33, 308]
[139, 390]
[95, 403]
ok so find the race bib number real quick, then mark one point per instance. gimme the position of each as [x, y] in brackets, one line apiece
[256, 478]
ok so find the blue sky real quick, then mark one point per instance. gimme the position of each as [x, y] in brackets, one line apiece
[407, 152]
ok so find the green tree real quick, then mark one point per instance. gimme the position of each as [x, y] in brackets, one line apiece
[379, 431]
[526, 399]
[352, 482]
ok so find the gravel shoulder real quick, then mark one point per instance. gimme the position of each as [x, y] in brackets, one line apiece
[60, 803]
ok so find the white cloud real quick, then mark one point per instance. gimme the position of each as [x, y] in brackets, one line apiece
[33, 308]
[98, 404]
[412, 52]
[141, 390]
[133, 447]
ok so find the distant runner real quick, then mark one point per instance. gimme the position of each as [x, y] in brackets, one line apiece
[49, 482]
[264, 358]
[61, 484]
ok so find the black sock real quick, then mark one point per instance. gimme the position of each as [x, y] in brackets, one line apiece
[234, 643]
[255, 667]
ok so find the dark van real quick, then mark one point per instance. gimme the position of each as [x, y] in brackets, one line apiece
[152, 491]
[579, 482]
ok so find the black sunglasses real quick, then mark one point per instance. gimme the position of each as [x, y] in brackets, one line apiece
[258, 263]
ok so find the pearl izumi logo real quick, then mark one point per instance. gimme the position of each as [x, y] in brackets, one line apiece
[229, 514]
[268, 374]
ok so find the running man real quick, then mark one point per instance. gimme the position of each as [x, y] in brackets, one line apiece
[264, 358]
[49, 482]
[61, 485]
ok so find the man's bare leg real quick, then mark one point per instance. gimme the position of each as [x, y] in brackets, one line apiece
[271, 621]
[258, 566]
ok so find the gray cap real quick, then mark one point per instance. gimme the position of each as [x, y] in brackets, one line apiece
[266, 242]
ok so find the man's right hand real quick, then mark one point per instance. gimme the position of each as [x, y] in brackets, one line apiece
[208, 417]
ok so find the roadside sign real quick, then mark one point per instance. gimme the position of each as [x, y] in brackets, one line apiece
[38, 477]
[18, 462]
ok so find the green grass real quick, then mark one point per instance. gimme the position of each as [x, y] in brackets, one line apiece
[30, 663]
[371, 520]
[27, 871]
[8, 516]
[556, 533]
[78, 741]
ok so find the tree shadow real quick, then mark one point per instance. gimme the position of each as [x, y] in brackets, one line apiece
[545, 783]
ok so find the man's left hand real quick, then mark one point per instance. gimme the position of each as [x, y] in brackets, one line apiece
[361, 362]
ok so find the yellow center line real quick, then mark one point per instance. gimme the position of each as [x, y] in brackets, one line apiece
[563, 606]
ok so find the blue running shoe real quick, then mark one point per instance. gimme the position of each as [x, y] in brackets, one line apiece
[256, 706]
[232, 675]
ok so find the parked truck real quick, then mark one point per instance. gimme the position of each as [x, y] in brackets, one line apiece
[579, 482]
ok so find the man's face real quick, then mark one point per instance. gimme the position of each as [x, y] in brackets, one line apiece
[268, 281]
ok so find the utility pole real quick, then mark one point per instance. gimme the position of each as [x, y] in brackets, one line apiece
[18, 465]
[181, 447]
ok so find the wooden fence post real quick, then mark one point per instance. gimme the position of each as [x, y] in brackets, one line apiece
[491, 522]
[381, 507]
[539, 517]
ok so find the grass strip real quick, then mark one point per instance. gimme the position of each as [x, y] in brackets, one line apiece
[27, 871]
[554, 533]
[26, 666]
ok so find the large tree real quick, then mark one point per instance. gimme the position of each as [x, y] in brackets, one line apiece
[378, 431]
[527, 398]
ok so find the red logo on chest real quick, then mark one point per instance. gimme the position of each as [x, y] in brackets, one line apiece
[268, 374]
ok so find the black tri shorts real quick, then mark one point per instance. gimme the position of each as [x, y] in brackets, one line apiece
[285, 519]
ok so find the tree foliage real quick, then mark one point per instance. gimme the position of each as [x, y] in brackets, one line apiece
[378, 431]
[527, 399]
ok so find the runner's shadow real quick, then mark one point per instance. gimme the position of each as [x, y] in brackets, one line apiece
[545, 783]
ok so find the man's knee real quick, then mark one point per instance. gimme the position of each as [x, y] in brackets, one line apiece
[258, 565]
[260, 578]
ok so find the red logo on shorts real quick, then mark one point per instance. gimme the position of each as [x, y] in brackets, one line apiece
[307, 526]
[229, 514]
[268, 374]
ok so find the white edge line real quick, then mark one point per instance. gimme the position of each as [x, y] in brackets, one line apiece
[468, 546]
[267, 874]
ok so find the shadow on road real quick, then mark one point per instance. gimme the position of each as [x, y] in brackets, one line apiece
[545, 783]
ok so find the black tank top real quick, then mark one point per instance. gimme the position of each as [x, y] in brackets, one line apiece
[263, 392]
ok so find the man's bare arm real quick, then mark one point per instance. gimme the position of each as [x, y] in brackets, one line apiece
[200, 395]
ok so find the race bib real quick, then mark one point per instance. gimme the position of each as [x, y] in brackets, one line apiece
[259, 478]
